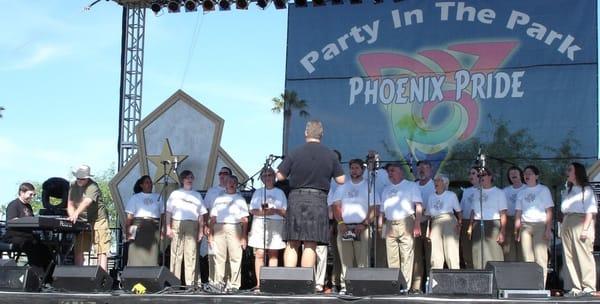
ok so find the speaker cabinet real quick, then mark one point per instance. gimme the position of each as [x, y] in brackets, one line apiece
[461, 282]
[19, 278]
[153, 278]
[81, 278]
[287, 280]
[516, 275]
[374, 281]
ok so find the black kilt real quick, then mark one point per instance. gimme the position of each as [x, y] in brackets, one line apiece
[307, 216]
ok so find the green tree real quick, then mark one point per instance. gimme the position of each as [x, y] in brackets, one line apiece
[508, 148]
[286, 103]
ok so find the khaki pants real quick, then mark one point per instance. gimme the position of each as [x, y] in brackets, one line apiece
[578, 254]
[534, 248]
[400, 246]
[321, 266]
[353, 253]
[184, 247]
[466, 246]
[380, 254]
[492, 251]
[226, 241]
[510, 248]
[444, 242]
[422, 256]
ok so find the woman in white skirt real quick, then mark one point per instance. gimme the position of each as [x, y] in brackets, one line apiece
[533, 219]
[268, 205]
[445, 227]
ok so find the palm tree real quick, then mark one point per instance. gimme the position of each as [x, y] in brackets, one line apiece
[287, 102]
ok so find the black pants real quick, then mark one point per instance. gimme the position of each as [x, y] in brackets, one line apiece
[38, 254]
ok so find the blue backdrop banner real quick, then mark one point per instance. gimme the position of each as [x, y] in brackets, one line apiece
[418, 80]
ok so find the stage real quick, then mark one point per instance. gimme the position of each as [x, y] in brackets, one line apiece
[122, 298]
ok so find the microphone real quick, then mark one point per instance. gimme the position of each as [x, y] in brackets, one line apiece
[478, 158]
[482, 160]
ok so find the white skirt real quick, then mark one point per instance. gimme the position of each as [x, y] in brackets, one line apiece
[275, 232]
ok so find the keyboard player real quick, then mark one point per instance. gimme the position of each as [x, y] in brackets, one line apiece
[38, 255]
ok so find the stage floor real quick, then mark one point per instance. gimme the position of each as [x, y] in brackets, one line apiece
[116, 298]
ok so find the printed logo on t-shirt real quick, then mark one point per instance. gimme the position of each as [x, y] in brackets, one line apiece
[148, 201]
[27, 212]
[352, 193]
[513, 198]
[530, 197]
[484, 197]
[270, 201]
[437, 205]
[471, 198]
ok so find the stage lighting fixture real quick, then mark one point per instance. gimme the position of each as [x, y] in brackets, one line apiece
[208, 5]
[262, 3]
[241, 4]
[224, 5]
[156, 7]
[337, 2]
[280, 4]
[318, 2]
[190, 5]
[174, 6]
[300, 3]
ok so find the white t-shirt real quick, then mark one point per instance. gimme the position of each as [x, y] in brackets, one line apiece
[185, 205]
[574, 202]
[229, 208]
[533, 202]
[447, 202]
[426, 190]
[494, 201]
[398, 200]
[275, 199]
[333, 185]
[511, 198]
[211, 195]
[354, 201]
[466, 202]
[145, 205]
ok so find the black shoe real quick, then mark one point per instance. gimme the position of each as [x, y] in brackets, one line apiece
[415, 292]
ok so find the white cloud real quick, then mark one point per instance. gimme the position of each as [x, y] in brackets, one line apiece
[40, 54]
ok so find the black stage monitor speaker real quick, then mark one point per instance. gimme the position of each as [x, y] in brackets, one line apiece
[153, 278]
[81, 278]
[516, 275]
[287, 280]
[461, 282]
[19, 278]
[374, 281]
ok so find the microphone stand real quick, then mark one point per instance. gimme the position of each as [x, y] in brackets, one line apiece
[268, 162]
[163, 197]
[372, 164]
[480, 173]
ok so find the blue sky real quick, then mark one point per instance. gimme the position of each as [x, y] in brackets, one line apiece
[59, 82]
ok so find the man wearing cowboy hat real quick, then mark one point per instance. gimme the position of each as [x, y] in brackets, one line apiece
[85, 202]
